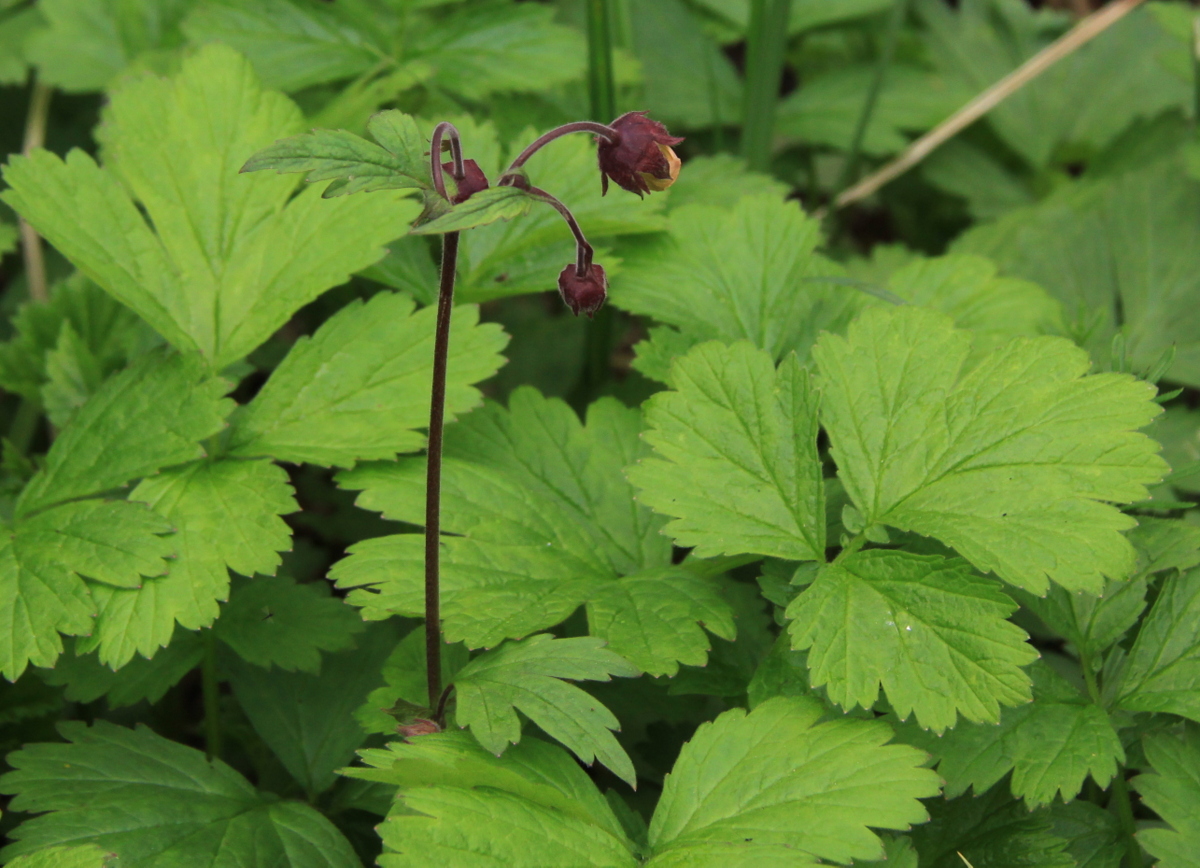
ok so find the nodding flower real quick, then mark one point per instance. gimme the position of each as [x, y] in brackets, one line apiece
[641, 160]
[586, 293]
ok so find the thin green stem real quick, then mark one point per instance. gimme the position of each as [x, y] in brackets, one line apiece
[854, 546]
[602, 89]
[895, 22]
[1089, 679]
[24, 426]
[1124, 808]
[765, 44]
[211, 687]
[31, 242]
[433, 472]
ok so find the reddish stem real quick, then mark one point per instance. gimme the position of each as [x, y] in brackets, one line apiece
[602, 130]
[435, 156]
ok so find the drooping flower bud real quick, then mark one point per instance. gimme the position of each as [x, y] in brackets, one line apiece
[473, 180]
[584, 294]
[642, 161]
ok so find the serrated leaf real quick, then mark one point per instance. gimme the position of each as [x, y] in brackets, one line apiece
[1173, 790]
[229, 258]
[149, 416]
[721, 179]
[86, 44]
[927, 629]
[1126, 246]
[990, 831]
[111, 333]
[1010, 461]
[226, 515]
[396, 163]
[1162, 672]
[528, 675]
[736, 460]
[86, 679]
[1050, 745]
[156, 803]
[535, 770]
[15, 29]
[307, 720]
[656, 619]
[740, 274]
[779, 778]
[1095, 838]
[272, 621]
[486, 206]
[360, 386]
[291, 45]
[116, 542]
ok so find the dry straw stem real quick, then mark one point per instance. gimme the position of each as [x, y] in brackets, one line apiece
[1082, 33]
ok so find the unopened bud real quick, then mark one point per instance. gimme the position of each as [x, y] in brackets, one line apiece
[584, 294]
[473, 180]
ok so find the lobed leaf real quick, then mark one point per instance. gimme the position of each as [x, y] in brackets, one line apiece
[528, 676]
[1172, 791]
[926, 628]
[736, 461]
[1162, 672]
[1011, 461]
[780, 778]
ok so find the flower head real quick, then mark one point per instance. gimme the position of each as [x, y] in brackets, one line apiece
[642, 160]
[473, 180]
[583, 294]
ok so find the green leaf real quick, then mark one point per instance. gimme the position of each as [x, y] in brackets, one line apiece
[486, 206]
[1050, 745]
[151, 415]
[308, 720]
[359, 387]
[89, 856]
[721, 180]
[533, 806]
[276, 622]
[653, 619]
[86, 679]
[292, 45]
[527, 676]
[15, 29]
[1162, 672]
[1173, 791]
[927, 629]
[327, 155]
[1010, 461]
[1178, 430]
[405, 681]
[86, 44]
[226, 514]
[230, 258]
[1078, 105]
[114, 542]
[156, 803]
[736, 462]
[110, 332]
[736, 275]
[826, 110]
[1127, 246]
[1094, 836]
[747, 786]
[990, 831]
[541, 521]
[8, 237]
[536, 770]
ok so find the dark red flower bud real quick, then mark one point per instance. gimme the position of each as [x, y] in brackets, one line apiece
[642, 161]
[583, 294]
[473, 182]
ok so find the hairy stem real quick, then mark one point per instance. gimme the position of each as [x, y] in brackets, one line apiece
[211, 688]
[435, 156]
[583, 250]
[433, 471]
[602, 130]
[602, 90]
[31, 242]
[765, 44]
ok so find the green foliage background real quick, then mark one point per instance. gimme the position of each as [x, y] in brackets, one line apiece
[865, 539]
